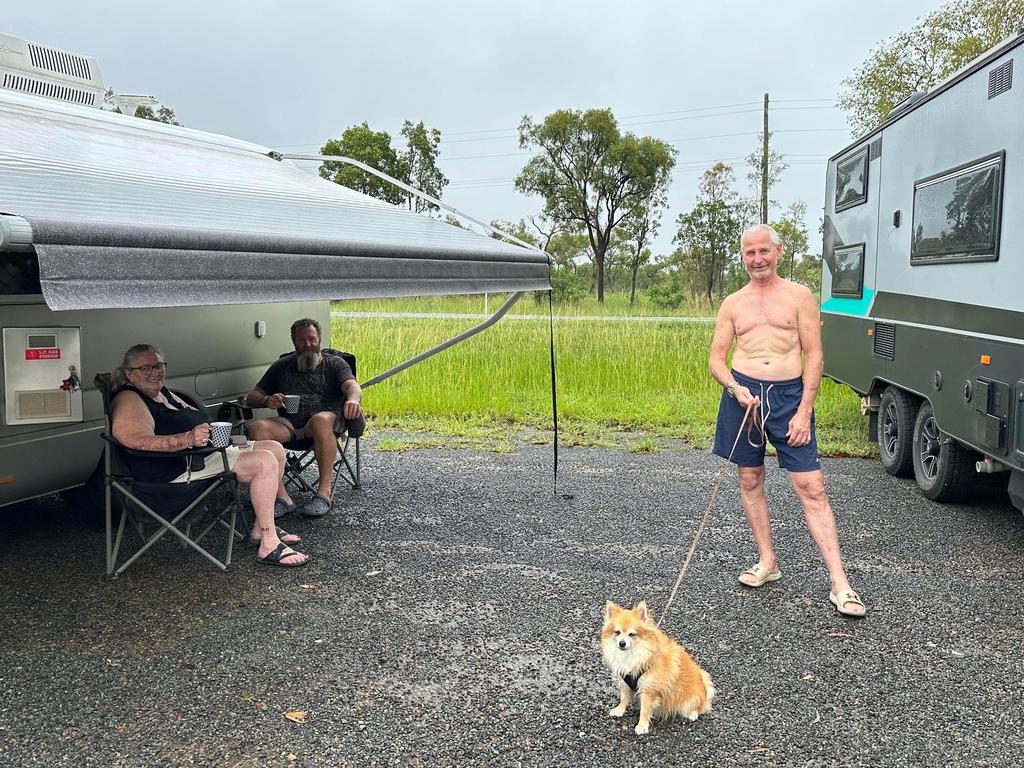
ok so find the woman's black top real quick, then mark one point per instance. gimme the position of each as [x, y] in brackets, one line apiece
[166, 421]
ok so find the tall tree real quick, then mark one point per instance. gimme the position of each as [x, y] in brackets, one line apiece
[374, 149]
[420, 164]
[708, 234]
[162, 115]
[916, 60]
[592, 177]
[415, 165]
[636, 238]
[793, 234]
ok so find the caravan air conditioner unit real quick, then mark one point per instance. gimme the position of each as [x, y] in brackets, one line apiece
[49, 72]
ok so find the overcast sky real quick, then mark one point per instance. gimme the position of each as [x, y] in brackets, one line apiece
[292, 75]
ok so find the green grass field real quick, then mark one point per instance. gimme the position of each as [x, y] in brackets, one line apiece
[619, 383]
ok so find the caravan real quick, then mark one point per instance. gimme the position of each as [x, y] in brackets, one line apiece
[923, 279]
[116, 230]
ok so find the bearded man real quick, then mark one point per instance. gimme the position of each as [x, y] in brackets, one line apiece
[326, 387]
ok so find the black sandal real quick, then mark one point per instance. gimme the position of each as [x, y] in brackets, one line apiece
[278, 554]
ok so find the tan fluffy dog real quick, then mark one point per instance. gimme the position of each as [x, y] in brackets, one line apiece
[646, 661]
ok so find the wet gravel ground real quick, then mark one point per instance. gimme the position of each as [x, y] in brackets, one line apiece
[450, 618]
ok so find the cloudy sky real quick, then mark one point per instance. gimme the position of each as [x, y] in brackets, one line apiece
[292, 75]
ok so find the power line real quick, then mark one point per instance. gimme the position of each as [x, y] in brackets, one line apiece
[690, 111]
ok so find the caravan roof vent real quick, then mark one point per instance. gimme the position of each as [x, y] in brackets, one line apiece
[49, 72]
[50, 90]
[60, 62]
[1000, 79]
[906, 104]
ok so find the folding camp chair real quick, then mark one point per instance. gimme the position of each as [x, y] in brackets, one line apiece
[156, 509]
[299, 453]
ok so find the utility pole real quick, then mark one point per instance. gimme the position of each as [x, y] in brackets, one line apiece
[764, 165]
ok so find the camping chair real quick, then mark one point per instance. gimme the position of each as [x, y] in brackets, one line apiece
[156, 509]
[299, 453]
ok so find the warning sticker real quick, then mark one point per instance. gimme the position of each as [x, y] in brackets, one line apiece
[43, 354]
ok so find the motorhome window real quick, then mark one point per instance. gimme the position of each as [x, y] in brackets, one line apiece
[956, 214]
[847, 265]
[19, 274]
[852, 180]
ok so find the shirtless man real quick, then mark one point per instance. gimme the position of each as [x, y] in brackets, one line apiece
[777, 365]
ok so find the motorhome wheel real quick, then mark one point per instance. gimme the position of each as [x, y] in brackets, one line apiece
[895, 431]
[943, 468]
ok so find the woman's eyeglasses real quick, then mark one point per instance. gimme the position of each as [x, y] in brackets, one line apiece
[148, 370]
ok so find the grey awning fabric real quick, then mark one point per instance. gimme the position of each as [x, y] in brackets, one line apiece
[130, 213]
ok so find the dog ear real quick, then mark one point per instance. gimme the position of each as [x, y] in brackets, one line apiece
[642, 612]
[610, 609]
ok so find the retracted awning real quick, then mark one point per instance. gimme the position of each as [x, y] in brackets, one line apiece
[132, 213]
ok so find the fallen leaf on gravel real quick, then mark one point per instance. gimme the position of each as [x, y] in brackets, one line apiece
[296, 717]
[760, 749]
[260, 705]
[839, 634]
[415, 761]
[808, 676]
[377, 573]
[309, 586]
[292, 756]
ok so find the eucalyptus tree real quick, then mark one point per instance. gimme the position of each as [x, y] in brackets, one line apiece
[916, 60]
[593, 177]
[416, 165]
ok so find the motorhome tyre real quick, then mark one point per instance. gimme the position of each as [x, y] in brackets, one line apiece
[896, 413]
[943, 469]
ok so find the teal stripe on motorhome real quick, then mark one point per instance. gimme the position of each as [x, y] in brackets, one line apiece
[857, 307]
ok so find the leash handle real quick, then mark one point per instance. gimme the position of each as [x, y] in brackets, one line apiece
[711, 502]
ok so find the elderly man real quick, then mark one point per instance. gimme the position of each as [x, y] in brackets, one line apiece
[326, 386]
[777, 366]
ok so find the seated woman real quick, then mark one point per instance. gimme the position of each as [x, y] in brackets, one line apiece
[147, 416]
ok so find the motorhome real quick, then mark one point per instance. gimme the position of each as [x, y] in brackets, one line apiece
[116, 230]
[922, 303]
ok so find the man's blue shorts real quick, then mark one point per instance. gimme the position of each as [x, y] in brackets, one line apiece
[779, 403]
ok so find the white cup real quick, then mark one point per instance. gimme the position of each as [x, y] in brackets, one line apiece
[220, 433]
[291, 403]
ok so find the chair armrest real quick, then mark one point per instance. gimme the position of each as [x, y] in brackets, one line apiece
[203, 451]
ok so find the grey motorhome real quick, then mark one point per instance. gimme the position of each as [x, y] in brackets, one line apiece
[923, 279]
[116, 230]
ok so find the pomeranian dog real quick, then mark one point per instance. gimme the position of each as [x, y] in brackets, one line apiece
[648, 663]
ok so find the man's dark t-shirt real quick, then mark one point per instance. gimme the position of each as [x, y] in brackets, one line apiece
[318, 389]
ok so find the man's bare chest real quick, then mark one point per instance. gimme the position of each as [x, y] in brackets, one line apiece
[759, 315]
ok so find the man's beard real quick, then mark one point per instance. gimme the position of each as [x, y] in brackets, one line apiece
[308, 360]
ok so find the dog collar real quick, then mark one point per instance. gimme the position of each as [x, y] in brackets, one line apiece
[633, 681]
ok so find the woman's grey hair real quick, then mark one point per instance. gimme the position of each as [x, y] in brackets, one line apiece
[130, 356]
[776, 240]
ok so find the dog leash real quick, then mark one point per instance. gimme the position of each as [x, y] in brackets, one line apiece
[751, 425]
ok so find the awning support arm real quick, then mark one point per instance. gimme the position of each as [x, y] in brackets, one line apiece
[451, 342]
[411, 190]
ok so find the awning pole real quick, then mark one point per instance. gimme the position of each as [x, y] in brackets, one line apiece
[444, 345]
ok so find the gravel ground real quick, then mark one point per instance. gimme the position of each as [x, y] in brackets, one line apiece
[450, 618]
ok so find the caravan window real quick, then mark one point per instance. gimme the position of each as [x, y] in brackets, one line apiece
[19, 274]
[956, 214]
[847, 265]
[852, 180]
